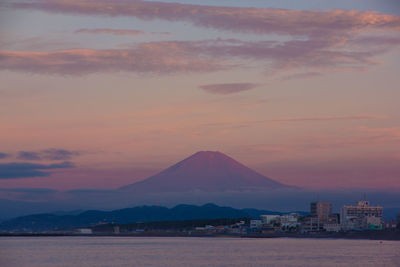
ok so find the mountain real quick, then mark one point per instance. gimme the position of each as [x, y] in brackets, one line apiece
[46, 222]
[13, 208]
[205, 171]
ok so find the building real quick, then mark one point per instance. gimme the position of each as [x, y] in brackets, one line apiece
[332, 227]
[85, 231]
[361, 209]
[321, 210]
[270, 219]
[390, 225]
[372, 223]
[333, 218]
[361, 216]
[320, 214]
[256, 224]
[289, 222]
[289, 219]
[310, 224]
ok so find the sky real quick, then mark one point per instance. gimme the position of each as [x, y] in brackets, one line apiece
[100, 94]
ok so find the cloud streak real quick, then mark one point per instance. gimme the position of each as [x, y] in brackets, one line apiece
[189, 56]
[121, 32]
[227, 88]
[295, 120]
[48, 154]
[153, 57]
[17, 170]
[325, 118]
[304, 75]
[238, 19]
[27, 155]
[111, 31]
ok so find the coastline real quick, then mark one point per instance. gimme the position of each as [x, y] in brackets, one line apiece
[368, 235]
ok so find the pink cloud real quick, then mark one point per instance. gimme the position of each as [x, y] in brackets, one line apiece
[227, 88]
[159, 57]
[188, 56]
[323, 40]
[294, 54]
[111, 31]
[377, 41]
[256, 20]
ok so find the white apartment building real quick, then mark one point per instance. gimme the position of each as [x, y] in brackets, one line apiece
[361, 216]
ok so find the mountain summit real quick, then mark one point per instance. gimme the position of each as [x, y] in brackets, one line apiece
[205, 171]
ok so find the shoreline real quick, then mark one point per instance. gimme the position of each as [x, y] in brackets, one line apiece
[385, 236]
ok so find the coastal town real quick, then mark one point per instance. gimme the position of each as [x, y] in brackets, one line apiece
[359, 218]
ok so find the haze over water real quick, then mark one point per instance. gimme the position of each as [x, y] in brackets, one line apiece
[175, 252]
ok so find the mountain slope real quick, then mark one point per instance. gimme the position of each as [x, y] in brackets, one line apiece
[205, 171]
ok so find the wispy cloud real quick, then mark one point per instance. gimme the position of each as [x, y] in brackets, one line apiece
[303, 75]
[161, 33]
[26, 155]
[3, 155]
[188, 56]
[48, 154]
[381, 41]
[318, 40]
[227, 88]
[121, 32]
[294, 120]
[37, 43]
[16, 170]
[325, 118]
[111, 31]
[28, 190]
[156, 57]
[256, 20]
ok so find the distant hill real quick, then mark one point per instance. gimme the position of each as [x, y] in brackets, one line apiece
[15, 208]
[45, 222]
[206, 171]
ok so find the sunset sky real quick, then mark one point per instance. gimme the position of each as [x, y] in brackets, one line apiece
[100, 94]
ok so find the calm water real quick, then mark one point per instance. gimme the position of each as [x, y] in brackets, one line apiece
[125, 251]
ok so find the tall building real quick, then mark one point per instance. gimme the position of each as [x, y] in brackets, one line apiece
[361, 216]
[320, 214]
[321, 210]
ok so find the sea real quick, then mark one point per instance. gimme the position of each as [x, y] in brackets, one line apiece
[193, 251]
